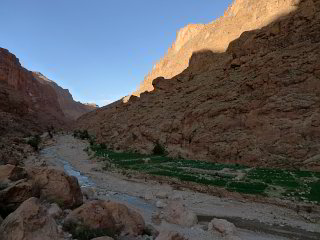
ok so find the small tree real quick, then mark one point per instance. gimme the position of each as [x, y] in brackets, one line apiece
[159, 149]
[34, 142]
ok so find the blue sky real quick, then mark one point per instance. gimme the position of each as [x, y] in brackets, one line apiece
[99, 49]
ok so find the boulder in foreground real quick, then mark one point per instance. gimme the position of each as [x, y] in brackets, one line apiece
[30, 221]
[100, 217]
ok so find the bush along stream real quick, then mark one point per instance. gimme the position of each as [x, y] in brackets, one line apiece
[293, 185]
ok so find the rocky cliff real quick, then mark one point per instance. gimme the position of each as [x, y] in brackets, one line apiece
[29, 105]
[241, 16]
[255, 101]
[71, 109]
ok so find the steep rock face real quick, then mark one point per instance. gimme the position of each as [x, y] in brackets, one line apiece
[71, 109]
[257, 104]
[26, 107]
[22, 95]
[29, 105]
[242, 15]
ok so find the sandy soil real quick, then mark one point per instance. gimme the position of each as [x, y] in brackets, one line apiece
[253, 220]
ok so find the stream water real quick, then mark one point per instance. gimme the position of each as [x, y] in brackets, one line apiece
[85, 181]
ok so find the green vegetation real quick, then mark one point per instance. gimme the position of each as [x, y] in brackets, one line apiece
[81, 134]
[82, 232]
[34, 142]
[159, 149]
[285, 184]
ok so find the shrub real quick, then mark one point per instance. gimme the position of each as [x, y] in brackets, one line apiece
[159, 149]
[81, 134]
[34, 142]
[82, 232]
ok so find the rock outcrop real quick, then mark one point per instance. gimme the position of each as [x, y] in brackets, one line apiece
[19, 184]
[254, 100]
[56, 186]
[30, 221]
[29, 105]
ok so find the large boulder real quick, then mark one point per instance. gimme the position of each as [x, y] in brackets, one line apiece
[14, 194]
[177, 213]
[19, 184]
[107, 216]
[56, 186]
[15, 188]
[30, 222]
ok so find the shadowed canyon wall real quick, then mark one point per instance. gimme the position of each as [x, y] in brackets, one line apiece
[257, 103]
[29, 104]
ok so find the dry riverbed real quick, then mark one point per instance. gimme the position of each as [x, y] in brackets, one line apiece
[253, 220]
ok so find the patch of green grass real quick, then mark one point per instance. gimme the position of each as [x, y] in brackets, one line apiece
[303, 174]
[82, 232]
[295, 184]
[247, 187]
[314, 194]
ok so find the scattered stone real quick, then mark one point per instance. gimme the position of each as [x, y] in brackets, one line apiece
[148, 196]
[177, 213]
[176, 196]
[160, 204]
[30, 221]
[222, 226]
[162, 194]
[88, 193]
[169, 235]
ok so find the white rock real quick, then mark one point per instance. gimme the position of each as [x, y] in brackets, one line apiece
[162, 194]
[177, 213]
[222, 226]
[89, 193]
[148, 196]
[160, 204]
[176, 196]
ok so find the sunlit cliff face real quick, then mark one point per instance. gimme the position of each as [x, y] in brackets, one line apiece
[241, 16]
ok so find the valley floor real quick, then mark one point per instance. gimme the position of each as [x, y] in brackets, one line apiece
[253, 220]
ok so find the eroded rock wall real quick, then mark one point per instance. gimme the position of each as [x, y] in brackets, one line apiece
[258, 103]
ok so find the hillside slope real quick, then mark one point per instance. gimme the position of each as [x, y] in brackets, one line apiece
[258, 103]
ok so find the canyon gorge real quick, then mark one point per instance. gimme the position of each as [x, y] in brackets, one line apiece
[221, 140]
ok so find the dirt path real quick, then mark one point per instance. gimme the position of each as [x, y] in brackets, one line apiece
[254, 220]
